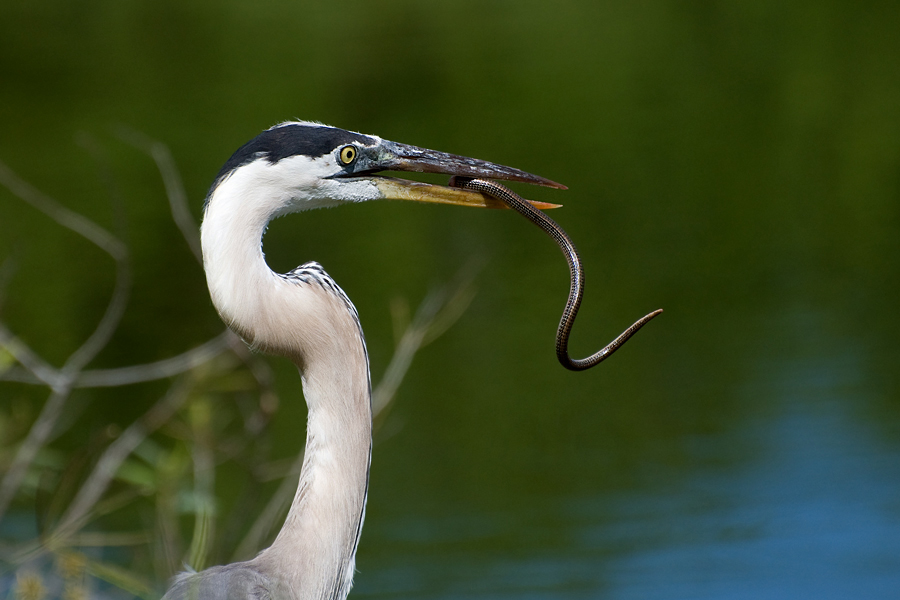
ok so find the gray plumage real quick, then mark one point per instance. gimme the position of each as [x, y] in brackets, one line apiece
[238, 581]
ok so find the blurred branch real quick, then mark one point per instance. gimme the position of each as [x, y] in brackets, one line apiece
[437, 313]
[112, 458]
[162, 369]
[107, 325]
[102, 239]
[168, 557]
[7, 269]
[200, 415]
[62, 215]
[115, 309]
[60, 381]
[175, 192]
[460, 293]
[95, 378]
[265, 381]
[274, 509]
[135, 538]
[41, 372]
[33, 442]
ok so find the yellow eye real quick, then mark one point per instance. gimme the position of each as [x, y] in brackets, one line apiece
[348, 154]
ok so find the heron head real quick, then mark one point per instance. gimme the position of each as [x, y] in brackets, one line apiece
[307, 165]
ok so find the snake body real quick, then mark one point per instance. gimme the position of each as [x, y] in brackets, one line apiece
[576, 273]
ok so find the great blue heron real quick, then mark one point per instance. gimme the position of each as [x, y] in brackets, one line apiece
[303, 315]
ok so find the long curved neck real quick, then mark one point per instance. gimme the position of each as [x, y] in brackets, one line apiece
[315, 551]
[308, 319]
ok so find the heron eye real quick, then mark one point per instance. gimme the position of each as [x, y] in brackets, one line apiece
[348, 154]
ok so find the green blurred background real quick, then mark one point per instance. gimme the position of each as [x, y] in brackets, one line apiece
[735, 163]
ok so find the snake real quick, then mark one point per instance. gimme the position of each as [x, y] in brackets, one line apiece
[576, 273]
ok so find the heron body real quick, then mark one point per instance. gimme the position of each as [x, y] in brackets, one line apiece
[304, 316]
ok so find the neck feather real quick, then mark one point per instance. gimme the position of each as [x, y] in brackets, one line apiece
[306, 317]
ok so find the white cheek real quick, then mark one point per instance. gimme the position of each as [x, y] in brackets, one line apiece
[301, 183]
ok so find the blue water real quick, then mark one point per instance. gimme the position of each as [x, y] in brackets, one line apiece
[802, 501]
[817, 516]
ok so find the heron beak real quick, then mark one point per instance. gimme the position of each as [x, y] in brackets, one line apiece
[391, 156]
